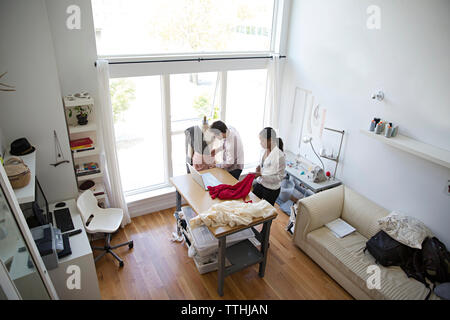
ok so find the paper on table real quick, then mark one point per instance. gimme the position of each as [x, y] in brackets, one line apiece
[340, 228]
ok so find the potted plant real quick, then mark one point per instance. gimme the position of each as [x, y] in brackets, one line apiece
[82, 114]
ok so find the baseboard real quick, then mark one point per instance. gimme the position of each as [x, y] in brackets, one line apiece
[158, 203]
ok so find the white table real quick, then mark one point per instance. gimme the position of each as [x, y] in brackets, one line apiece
[82, 257]
[295, 172]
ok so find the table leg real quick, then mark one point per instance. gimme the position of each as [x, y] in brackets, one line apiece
[221, 264]
[178, 201]
[264, 246]
[177, 210]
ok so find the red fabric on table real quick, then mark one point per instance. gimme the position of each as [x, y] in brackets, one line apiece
[231, 192]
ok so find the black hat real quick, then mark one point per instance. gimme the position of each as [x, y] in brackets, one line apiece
[21, 147]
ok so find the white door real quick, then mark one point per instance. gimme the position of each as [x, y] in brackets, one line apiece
[22, 272]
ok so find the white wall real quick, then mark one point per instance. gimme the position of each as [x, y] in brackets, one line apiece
[35, 109]
[332, 53]
[75, 50]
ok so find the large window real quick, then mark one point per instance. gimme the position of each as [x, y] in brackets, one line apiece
[246, 91]
[160, 86]
[142, 27]
[137, 112]
[192, 96]
[140, 110]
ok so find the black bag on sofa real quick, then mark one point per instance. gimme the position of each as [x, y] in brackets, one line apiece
[432, 263]
[387, 251]
[436, 260]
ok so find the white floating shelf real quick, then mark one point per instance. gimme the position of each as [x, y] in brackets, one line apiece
[420, 149]
[78, 102]
[90, 176]
[86, 128]
[84, 154]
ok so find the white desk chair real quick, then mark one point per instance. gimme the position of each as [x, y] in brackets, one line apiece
[96, 219]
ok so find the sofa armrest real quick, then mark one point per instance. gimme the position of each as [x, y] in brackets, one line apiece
[317, 210]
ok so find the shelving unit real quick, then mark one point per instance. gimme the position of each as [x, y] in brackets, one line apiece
[417, 148]
[336, 160]
[89, 130]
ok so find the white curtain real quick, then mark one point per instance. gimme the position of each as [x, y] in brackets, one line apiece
[113, 183]
[273, 93]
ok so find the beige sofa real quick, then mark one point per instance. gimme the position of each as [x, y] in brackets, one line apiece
[343, 259]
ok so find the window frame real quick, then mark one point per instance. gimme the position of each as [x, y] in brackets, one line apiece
[167, 123]
[279, 24]
[154, 67]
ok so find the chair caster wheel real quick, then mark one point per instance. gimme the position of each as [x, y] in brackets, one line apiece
[121, 264]
[130, 245]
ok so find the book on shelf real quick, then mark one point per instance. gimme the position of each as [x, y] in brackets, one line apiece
[80, 143]
[82, 147]
[87, 168]
[85, 149]
[87, 172]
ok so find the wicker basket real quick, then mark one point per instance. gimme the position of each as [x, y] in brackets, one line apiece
[19, 174]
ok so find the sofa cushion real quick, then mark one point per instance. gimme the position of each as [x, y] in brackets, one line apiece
[347, 255]
[361, 213]
[407, 230]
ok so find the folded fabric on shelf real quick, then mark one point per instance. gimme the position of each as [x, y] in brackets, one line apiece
[232, 213]
[231, 192]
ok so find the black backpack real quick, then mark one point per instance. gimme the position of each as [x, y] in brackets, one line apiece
[432, 263]
[388, 251]
[436, 260]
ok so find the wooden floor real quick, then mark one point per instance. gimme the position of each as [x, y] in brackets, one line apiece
[157, 268]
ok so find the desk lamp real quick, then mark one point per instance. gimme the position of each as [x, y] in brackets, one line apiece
[308, 139]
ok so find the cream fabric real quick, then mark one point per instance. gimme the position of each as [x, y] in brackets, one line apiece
[347, 254]
[315, 211]
[232, 213]
[407, 230]
[361, 213]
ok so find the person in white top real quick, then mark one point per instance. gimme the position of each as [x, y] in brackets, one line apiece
[270, 172]
[231, 145]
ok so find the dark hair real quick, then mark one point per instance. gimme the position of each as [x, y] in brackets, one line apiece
[280, 144]
[270, 134]
[196, 139]
[219, 125]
